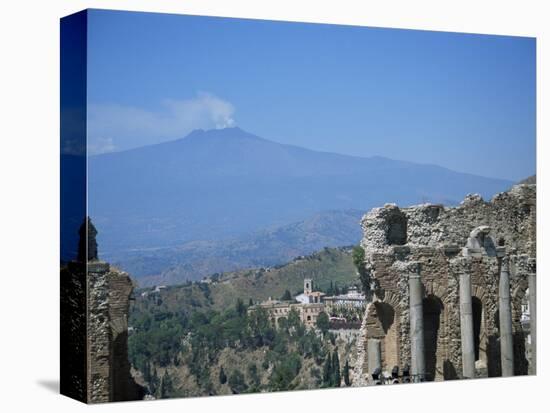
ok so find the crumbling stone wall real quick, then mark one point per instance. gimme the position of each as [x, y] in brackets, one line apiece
[94, 328]
[434, 237]
[99, 334]
[109, 376]
[120, 290]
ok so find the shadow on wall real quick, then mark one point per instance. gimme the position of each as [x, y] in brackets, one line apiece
[432, 308]
[493, 354]
[386, 315]
[449, 371]
[125, 387]
[521, 365]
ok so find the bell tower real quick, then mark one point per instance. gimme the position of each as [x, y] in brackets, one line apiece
[308, 285]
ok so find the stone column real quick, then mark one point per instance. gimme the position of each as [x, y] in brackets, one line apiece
[418, 365]
[467, 326]
[374, 356]
[505, 319]
[533, 319]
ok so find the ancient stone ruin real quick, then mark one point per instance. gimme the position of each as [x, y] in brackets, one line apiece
[94, 327]
[449, 284]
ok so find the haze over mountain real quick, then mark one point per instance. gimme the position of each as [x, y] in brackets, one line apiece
[269, 247]
[227, 183]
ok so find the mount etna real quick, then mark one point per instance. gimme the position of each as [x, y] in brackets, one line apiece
[226, 198]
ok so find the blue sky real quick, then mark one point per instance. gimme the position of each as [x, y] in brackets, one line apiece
[466, 102]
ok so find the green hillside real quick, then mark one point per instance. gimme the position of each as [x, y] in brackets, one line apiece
[181, 337]
[219, 291]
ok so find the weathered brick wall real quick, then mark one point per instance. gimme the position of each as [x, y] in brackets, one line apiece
[94, 328]
[433, 236]
[99, 334]
[120, 290]
[108, 305]
[511, 215]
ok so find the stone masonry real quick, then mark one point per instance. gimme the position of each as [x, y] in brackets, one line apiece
[473, 263]
[94, 327]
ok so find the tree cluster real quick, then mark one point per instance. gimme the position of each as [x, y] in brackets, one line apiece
[358, 257]
[165, 339]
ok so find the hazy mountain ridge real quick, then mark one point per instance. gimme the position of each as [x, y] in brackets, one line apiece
[269, 247]
[228, 182]
[209, 197]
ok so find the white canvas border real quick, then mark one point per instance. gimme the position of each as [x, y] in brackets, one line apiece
[29, 219]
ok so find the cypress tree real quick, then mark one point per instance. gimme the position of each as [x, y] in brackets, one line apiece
[240, 307]
[346, 374]
[286, 296]
[166, 387]
[327, 371]
[336, 369]
[153, 385]
[146, 372]
[222, 376]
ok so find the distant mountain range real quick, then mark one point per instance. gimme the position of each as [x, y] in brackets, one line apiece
[266, 248]
[229, 186]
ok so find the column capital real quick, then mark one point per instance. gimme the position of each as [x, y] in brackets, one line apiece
[504, 264]
[462, 262]
[414, 276]
[413, 268]
[500, 251]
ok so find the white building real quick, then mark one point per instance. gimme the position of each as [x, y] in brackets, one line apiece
[353, 298]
